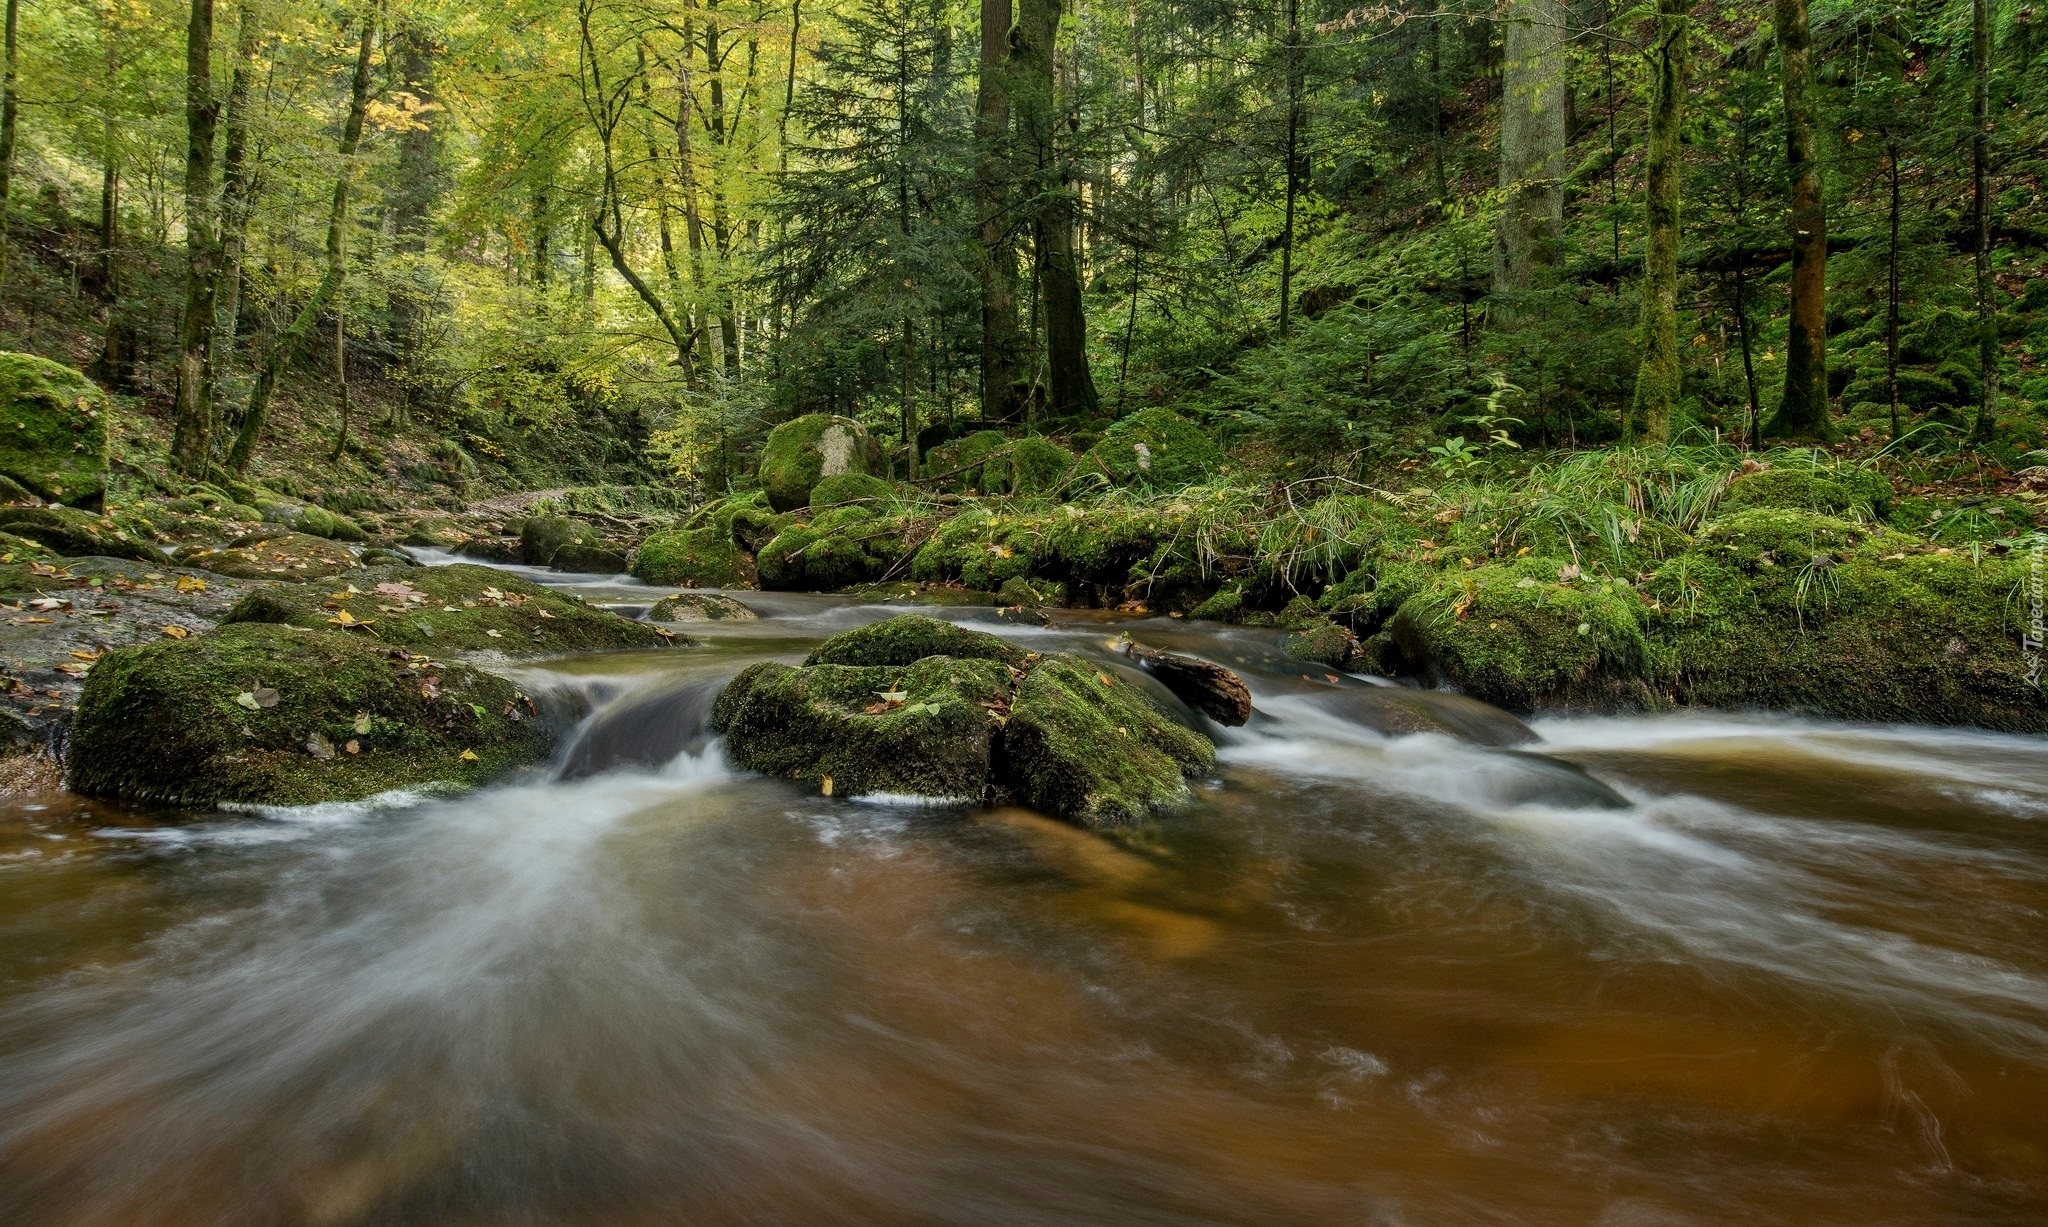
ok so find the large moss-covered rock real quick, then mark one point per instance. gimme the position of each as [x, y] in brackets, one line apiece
[53, 430]
[1088, 745]
[704, 557]
[287, 556]
[962, 464]
[800, 452]
[279, 715]
[1529, 632]
[1035, 465]
[77, 534]
[921, 706]
[542, 537]
[448, 609]
[1798, 611]
[1841, 491]
[925, 729]
[909, 638]
[1156, 449]
[699, 607]
[850, 489]
[835, 549]
[312, 520]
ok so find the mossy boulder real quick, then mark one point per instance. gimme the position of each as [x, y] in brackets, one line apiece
[1088, 745]
[798, 453]
[835, 549]
[906, 592]
[594, 559]
[1797, 611]
[1035, 465]
[455, 608]
[1156, 449]
[927, 728]
[314, 521]
[850, 489]
[962, 464]
[542, 537]
[704, 557]
[909, 638]
[53, 430]
[281, 716]
[699, 607]
[77, 534]
[287, 556]
[1844, 491]
[1323, 642]
[1533, 631]
[916, 705]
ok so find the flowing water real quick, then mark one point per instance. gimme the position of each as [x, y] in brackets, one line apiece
[1669, 970]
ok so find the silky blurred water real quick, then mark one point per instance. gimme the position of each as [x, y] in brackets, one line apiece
[1646, 970]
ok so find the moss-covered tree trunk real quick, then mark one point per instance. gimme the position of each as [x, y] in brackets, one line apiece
[193, 432]
[994, 174]
[1803, 413]
[1070, 386]
[1657, 378]
[412, 206]
[1980, 176]
[237, 177]
[8, 108]
[1290, 154]
[1530, 231]
[301, 327]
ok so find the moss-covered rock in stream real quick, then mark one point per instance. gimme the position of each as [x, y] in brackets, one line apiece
[279, 715]
[77, 534]
[458, 608]
[312, 520]
[543, 537]
[1796, 611]
[287, 556]
[917, 705]
[798, 453]
[908, 638]
[699, 607]
[832, 550]
[704, 557]
[1087, 745]
[1528, 632]
[926, 728]
[1155, 449]
[53, 430]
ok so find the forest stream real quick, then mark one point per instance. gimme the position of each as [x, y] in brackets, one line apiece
[1644, 970]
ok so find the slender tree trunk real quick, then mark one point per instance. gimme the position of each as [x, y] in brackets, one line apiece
[301, 327]
[415, 194]
[1980, 195]
[1891, 286]
[193, 433]
[993, 178]
[1292, 154]
[1070, 389]
[1803, 413]
[236, 177]
[340, 376]
[1753, 436]
[1532, 142]
[1613, 148]
[1657, 379]
[116, 363]
[9, 104]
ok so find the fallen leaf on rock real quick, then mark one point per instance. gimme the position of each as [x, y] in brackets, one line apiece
[74, 668]
[495, 634]
[362, 724]
[825, 785]
[353, 746]
[319, 747]
[187, 583]
[469, 756]
[266, 697]
[248, 699]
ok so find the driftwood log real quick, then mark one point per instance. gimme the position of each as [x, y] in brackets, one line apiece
[1211, 689]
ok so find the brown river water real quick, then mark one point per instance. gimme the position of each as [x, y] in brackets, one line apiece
[1646, 971]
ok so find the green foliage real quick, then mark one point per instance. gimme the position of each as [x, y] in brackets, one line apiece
[1155, 449]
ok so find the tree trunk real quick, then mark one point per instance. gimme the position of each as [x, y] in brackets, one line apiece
[415, 194]
[236, 177]
[1292, 155]
[1891, 287]
[1070, 389]
[115, 366]
[1803, 413]
[993, 179]
[1980, 178]
[301, 327]
[1532, 141]
[194, 430]
[1657, 379]
[1754, 434]
[9, 104]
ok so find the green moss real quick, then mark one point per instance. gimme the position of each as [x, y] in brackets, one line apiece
[849, 488]
[835, 549]
[693, 558]
[1156, 448]
[1036, 465]
[165, 722]
[1324, 643]
[448, 609]
[53, 430]
[926, 728]
[1517, 635]
[1843, 491]
[589, 560]
[541, 537]
[1226, 605]
[1084, 744]
[912, 637]
[1030, 594]
[699, 607]
[911, 593]
[798, 453]
[77, 534]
